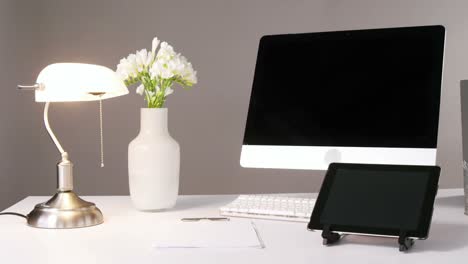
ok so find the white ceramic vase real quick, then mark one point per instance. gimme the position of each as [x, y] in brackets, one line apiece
[153, 163]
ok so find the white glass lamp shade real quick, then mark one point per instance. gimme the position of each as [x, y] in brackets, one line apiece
[67, 82]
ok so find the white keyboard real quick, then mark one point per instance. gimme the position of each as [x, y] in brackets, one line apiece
[270, 207]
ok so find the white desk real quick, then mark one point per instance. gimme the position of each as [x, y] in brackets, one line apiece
[127, 237]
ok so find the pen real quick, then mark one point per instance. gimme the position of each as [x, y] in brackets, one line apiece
[194, 219]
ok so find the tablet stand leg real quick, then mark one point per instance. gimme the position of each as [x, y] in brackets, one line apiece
[405, 242]
[328, 236]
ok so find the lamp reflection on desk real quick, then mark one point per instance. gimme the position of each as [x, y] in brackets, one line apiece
[70, 82]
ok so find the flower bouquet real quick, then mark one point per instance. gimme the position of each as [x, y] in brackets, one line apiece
[156, 72]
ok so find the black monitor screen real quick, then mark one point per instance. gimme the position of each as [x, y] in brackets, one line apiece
[363, 88]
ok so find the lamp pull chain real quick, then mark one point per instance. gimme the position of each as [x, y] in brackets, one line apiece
[102, 139]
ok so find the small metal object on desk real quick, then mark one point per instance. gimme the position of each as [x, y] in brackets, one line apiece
[194, 219]
[33, 87]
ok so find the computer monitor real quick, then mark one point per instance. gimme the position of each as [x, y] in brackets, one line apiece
[361, 96]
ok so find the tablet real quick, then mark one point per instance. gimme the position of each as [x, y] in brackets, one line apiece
[376, 199]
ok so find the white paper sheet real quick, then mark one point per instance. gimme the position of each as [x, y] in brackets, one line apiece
[210, 234]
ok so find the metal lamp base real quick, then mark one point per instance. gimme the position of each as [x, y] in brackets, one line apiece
[65, 210]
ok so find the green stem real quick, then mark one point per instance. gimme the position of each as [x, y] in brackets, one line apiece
[147, 97]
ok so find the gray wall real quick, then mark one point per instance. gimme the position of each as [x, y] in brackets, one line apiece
[221, 39]
[18, 136]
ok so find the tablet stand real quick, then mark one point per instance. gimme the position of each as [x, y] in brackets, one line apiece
[330, 237]
[405, 242]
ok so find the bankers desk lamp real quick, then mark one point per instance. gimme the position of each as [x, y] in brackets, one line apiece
[70, 82]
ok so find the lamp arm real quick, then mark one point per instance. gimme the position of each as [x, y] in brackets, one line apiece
[65, 166]
[51, 133]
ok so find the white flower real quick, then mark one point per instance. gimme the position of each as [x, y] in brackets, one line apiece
[185, 70]
[154, 46]
[127, 67]
[168, 91]
[165, 53]
[143, 59]
[188, 74]
[159, 69]
[177, 64]
[140, 89]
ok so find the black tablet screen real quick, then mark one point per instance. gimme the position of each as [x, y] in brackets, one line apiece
[375, 198]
